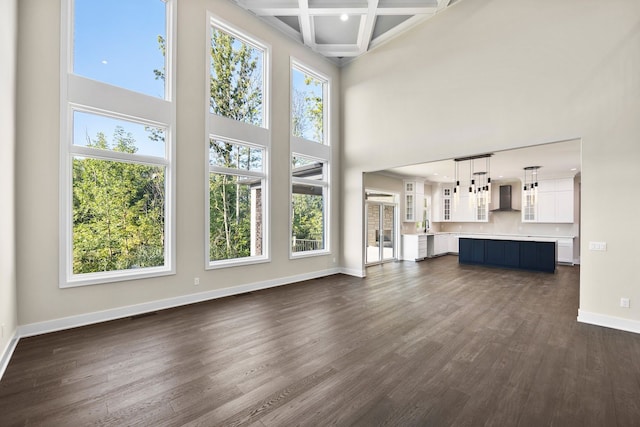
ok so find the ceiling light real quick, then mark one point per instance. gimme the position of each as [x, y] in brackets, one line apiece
[344, 17]
[480, 193]
[530, 190]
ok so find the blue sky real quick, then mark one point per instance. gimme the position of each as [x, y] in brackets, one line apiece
[116, 42]
[308, 89]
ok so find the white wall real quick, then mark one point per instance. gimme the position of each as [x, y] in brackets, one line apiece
[486, 76]
[40, 299]
[8, 46]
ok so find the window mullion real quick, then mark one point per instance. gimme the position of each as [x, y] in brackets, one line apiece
[236, 172]
[117, 156]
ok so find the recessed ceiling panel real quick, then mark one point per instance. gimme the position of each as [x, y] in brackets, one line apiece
[386, 22]
[338, 3]
[332, 30]
[408, 3]
[291, 21]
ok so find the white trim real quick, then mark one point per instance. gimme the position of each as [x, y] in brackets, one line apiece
[236, 262]
[353, 272]
[318, 150]
[308, 254]
[607, 321]
[78, 93]
[132, 310]
[238, 133]
[243, 36]
[5, 356]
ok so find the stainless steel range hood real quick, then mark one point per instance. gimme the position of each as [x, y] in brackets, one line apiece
[505, 200]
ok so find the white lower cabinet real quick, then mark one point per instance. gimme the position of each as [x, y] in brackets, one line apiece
[565, 251]
[440, 244]
[453, 243]
[414, 246]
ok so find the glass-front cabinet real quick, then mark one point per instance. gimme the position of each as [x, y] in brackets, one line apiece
[413, 200]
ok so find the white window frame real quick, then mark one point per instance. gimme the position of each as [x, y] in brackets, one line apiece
[236, 132]
[324, 184]
[252, 259]
[79, 93]
[295, 64]
[320, 151]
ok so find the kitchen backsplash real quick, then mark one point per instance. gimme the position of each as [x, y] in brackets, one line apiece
[509, 223]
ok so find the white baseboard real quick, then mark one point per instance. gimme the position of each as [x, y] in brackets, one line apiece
[132, 310]
[5, 356]
[353, 272]
[609, 321]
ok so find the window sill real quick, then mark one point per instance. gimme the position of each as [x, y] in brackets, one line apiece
[214, 265]
[307, 254]
[114, 276]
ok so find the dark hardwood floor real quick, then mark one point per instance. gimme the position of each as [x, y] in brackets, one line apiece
[430, 344]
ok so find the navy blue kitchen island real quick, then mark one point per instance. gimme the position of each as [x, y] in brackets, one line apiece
[530, 255]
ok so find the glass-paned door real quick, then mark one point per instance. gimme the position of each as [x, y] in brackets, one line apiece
[373, 233]
[388, 239]
[381, 228]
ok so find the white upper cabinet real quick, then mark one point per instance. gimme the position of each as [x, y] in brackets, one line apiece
[462, 208]
[552, 204]
[413, 200]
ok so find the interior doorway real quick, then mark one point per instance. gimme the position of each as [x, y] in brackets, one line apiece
[381, 219]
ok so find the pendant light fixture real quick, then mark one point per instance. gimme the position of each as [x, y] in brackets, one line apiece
[456, 189]
[530, 187]
[479, 189]
[472, 184]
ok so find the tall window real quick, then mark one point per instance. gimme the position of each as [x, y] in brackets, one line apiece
[236, 213]
[310, 162]
[238, 145]
[309, 185]
[116, 140]
[307, 106]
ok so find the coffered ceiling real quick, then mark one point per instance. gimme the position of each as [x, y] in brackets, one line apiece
[342, 30]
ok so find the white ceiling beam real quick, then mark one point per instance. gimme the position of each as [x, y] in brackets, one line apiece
[270, 11]
[367, 15]
[337, 11]
[442, 4]
[337, 50]
[305, 23]
[364, 37]
[259, 4]
[406, 10]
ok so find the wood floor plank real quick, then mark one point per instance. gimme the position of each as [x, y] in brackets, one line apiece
[428, 343]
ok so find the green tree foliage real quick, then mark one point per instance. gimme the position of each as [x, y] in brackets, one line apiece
[230, 217]
[162, 45]
[118, 210]
[236, 79]
[236, 93]
[308, 221]
[307, 110]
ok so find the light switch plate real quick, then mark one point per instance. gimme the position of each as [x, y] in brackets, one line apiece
[597, 246]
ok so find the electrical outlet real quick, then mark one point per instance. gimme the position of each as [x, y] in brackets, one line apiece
[196, 281]
[624, 302]
[597, 246]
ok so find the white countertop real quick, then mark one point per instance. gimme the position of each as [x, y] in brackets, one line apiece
[525, 237]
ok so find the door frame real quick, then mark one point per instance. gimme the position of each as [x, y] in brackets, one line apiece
[396, 225]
